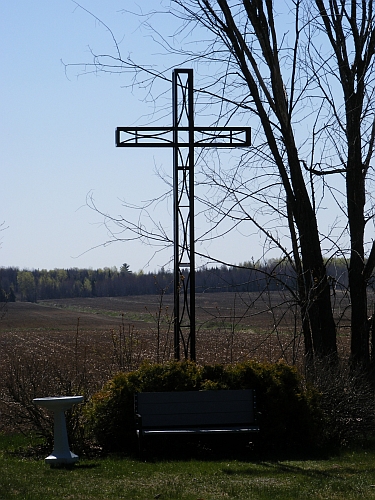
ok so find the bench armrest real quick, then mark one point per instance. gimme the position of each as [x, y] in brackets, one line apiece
[138, 421]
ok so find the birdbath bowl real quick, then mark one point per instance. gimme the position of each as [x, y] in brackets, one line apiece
[61, 453]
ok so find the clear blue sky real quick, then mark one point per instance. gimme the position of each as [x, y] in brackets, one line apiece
[57, 136]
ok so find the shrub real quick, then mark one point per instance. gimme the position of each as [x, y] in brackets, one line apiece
[170, 376]
[111, 415]
[288, 413]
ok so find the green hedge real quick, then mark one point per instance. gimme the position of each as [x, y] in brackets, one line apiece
[289, 414]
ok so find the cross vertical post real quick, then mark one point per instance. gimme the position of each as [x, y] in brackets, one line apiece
[183, 136]
[183, 212]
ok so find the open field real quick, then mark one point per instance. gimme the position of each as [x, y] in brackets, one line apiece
[226, 331]
[230, 327]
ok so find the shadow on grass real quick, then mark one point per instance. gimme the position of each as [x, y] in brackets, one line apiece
[76, 466]
[288, 469]
[219, 448]
[279, 468]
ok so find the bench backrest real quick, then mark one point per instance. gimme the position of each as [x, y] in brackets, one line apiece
[196, 408]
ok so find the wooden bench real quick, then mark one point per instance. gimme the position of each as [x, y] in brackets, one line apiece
[195, 413]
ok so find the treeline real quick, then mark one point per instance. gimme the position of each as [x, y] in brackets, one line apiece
[34, 285]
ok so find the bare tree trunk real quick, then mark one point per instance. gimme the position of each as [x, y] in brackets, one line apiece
[353, 78]
[316, 309]
[357, 283]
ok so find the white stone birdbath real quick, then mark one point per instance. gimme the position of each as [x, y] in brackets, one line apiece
[61, 453]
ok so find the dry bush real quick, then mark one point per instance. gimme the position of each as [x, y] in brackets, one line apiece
[29, 375]
[34, 366]
[40, 364]
[127, 347]
[346, 401]
[162, 329]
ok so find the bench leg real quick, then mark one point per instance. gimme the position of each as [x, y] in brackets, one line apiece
[140, 444]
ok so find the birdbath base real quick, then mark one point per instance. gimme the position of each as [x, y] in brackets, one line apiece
[54, 460]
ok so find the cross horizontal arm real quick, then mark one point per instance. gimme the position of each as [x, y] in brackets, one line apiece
[203, 137]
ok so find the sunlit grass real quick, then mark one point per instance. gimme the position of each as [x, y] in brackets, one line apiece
[24, 476]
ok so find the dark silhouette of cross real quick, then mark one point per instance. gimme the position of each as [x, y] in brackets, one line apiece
[183, 136]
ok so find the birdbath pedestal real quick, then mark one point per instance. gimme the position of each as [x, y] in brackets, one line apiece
[61, 453]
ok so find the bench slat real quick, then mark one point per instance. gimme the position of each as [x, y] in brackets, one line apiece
[194, 396]
[195, 430]
[203, 407]
[191, 419]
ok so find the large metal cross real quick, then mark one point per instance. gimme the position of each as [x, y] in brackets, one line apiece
[183, 137]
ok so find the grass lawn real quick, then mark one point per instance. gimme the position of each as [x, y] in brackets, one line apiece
[348, 476]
